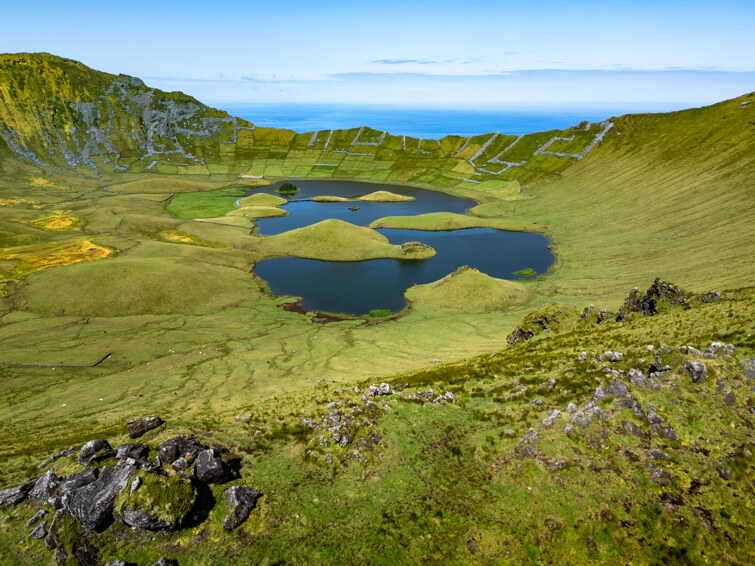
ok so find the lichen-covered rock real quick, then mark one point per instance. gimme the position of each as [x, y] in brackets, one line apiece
[36, 517]
[14, 495]
[160, 502]
[137, 451]
[92, 504]
[45, 486]
[209, 468]
[77, 480]
[139, 426]
[186, 447]
[697, 371]
[614, 389]
[97, 449]
[239, 500]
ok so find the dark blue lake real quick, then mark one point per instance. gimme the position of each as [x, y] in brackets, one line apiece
[358, 287]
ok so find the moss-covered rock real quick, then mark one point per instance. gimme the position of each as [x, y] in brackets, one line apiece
[154, 502]
[554, 317]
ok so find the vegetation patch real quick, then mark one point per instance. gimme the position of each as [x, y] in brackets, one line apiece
[205, 204]
[527, 272]
[262, 199]
[287, 190]
[59, 221]
[35, 258]
[176, 237]
[468, 290]
[385, 196]
[17, 202]
[257, 212]
[336, 240]
[437, 221]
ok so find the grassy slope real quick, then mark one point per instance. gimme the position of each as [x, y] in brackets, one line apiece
[656, 200]
[671, 196]
[450, 484]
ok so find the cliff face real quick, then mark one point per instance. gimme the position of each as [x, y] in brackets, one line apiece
[59, 113]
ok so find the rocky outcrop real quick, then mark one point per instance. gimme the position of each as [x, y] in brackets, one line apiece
[659, 296]
[240, 501]
[139, 426]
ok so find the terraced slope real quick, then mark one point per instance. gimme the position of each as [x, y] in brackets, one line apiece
[59, 113]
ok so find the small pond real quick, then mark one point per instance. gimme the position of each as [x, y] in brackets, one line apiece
[359, 287]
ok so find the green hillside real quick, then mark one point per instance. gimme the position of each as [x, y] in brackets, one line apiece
[127, 250]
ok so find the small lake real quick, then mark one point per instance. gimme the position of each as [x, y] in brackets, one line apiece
[358, 287]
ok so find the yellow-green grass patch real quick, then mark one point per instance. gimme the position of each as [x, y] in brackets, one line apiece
[32, 258]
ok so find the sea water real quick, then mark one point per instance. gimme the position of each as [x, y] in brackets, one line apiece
[427, 123]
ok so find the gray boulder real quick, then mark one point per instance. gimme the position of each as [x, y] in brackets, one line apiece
[697, 371]
[97, 449]
[637, 378]
[137, 451]
[14, 495]
[141, 425]
[239, 502]
[92, 504]
[39, 532]
[45, 486]
[653, 417]
[209, 468]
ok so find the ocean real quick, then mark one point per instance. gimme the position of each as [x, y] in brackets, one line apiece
[425, 123]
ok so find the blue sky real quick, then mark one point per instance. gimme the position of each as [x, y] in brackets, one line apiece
[441, 53]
